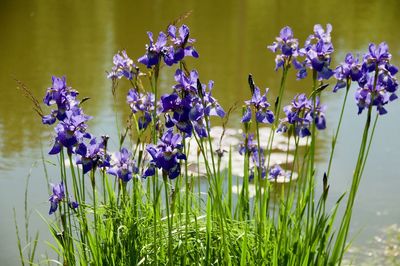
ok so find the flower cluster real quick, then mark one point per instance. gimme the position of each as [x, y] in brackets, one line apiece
[256, 154]
[317, 51]
[166, 155]
[92, 155]
[143, 103]
[123, 166]
[276, 171]
[123, 67]
[375, 75]
[62, 96]
[350, 69]
[301, 113]
[189, 103]
[71, 128]
[260, 104]
[179, 47]
[58, 196]
[287, 46]
[378, 85]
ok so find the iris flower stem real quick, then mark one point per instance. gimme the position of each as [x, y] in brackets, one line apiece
[75, 183]
[311, 161]
[210, 145]
[259, 174]
[80, 198]
[202, 150]
[338, 128]
[362, 157]
[155, 91]
[92, 178]
[281, 90]
[218, 198]
[245, 189]
[214, 181]
[154, 86]
[114, 87]
[282, 87]
[104, 180]
[369, 144]
[155, 218]
[165, 177]
[295, 158]
[344, 227]
[187, 209]
[67, 227]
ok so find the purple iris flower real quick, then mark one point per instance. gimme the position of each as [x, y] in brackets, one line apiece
[123, 67]
[92, 156]
[287, 46]
[377, 56]
[350, 69]
[157, 50]
[257, 165]
[379, 92]
[186, 84]
[73, 204]
[180, 109]
[211, 105]
[190, 103]
[376, 96]
[319, 114]
[251, 146]
[277, 171]
[62, 96]
[143, 103]
[252, 149]
[123, 166]
[71, 130]
[317, 50]
[57, 196]
[166, 155]
[301, 114]
[196, 116]
[260, 104]
[181, 40]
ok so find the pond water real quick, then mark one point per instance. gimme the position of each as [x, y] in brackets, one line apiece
[78, 39]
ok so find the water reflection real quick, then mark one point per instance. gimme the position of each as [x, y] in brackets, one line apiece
[78, 39]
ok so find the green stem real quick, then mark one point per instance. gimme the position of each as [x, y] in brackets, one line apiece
[170, 262]
[338, 128]
[281, 90]
[362, 157]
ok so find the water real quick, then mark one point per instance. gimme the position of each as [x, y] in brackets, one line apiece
[78, 39]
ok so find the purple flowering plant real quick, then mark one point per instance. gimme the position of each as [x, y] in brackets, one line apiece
[301, 114]
[260, 105]
[57, 196]
[288, 47]
[190, 105]
[143, 104]
[166, 155]
[378, 85]
[92, 155]
[123, 67]
[250, 148]
[171, 47]
[317, 51]
[161, 147]
[123, 166]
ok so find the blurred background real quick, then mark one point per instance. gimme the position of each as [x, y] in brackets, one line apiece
[79, 38]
